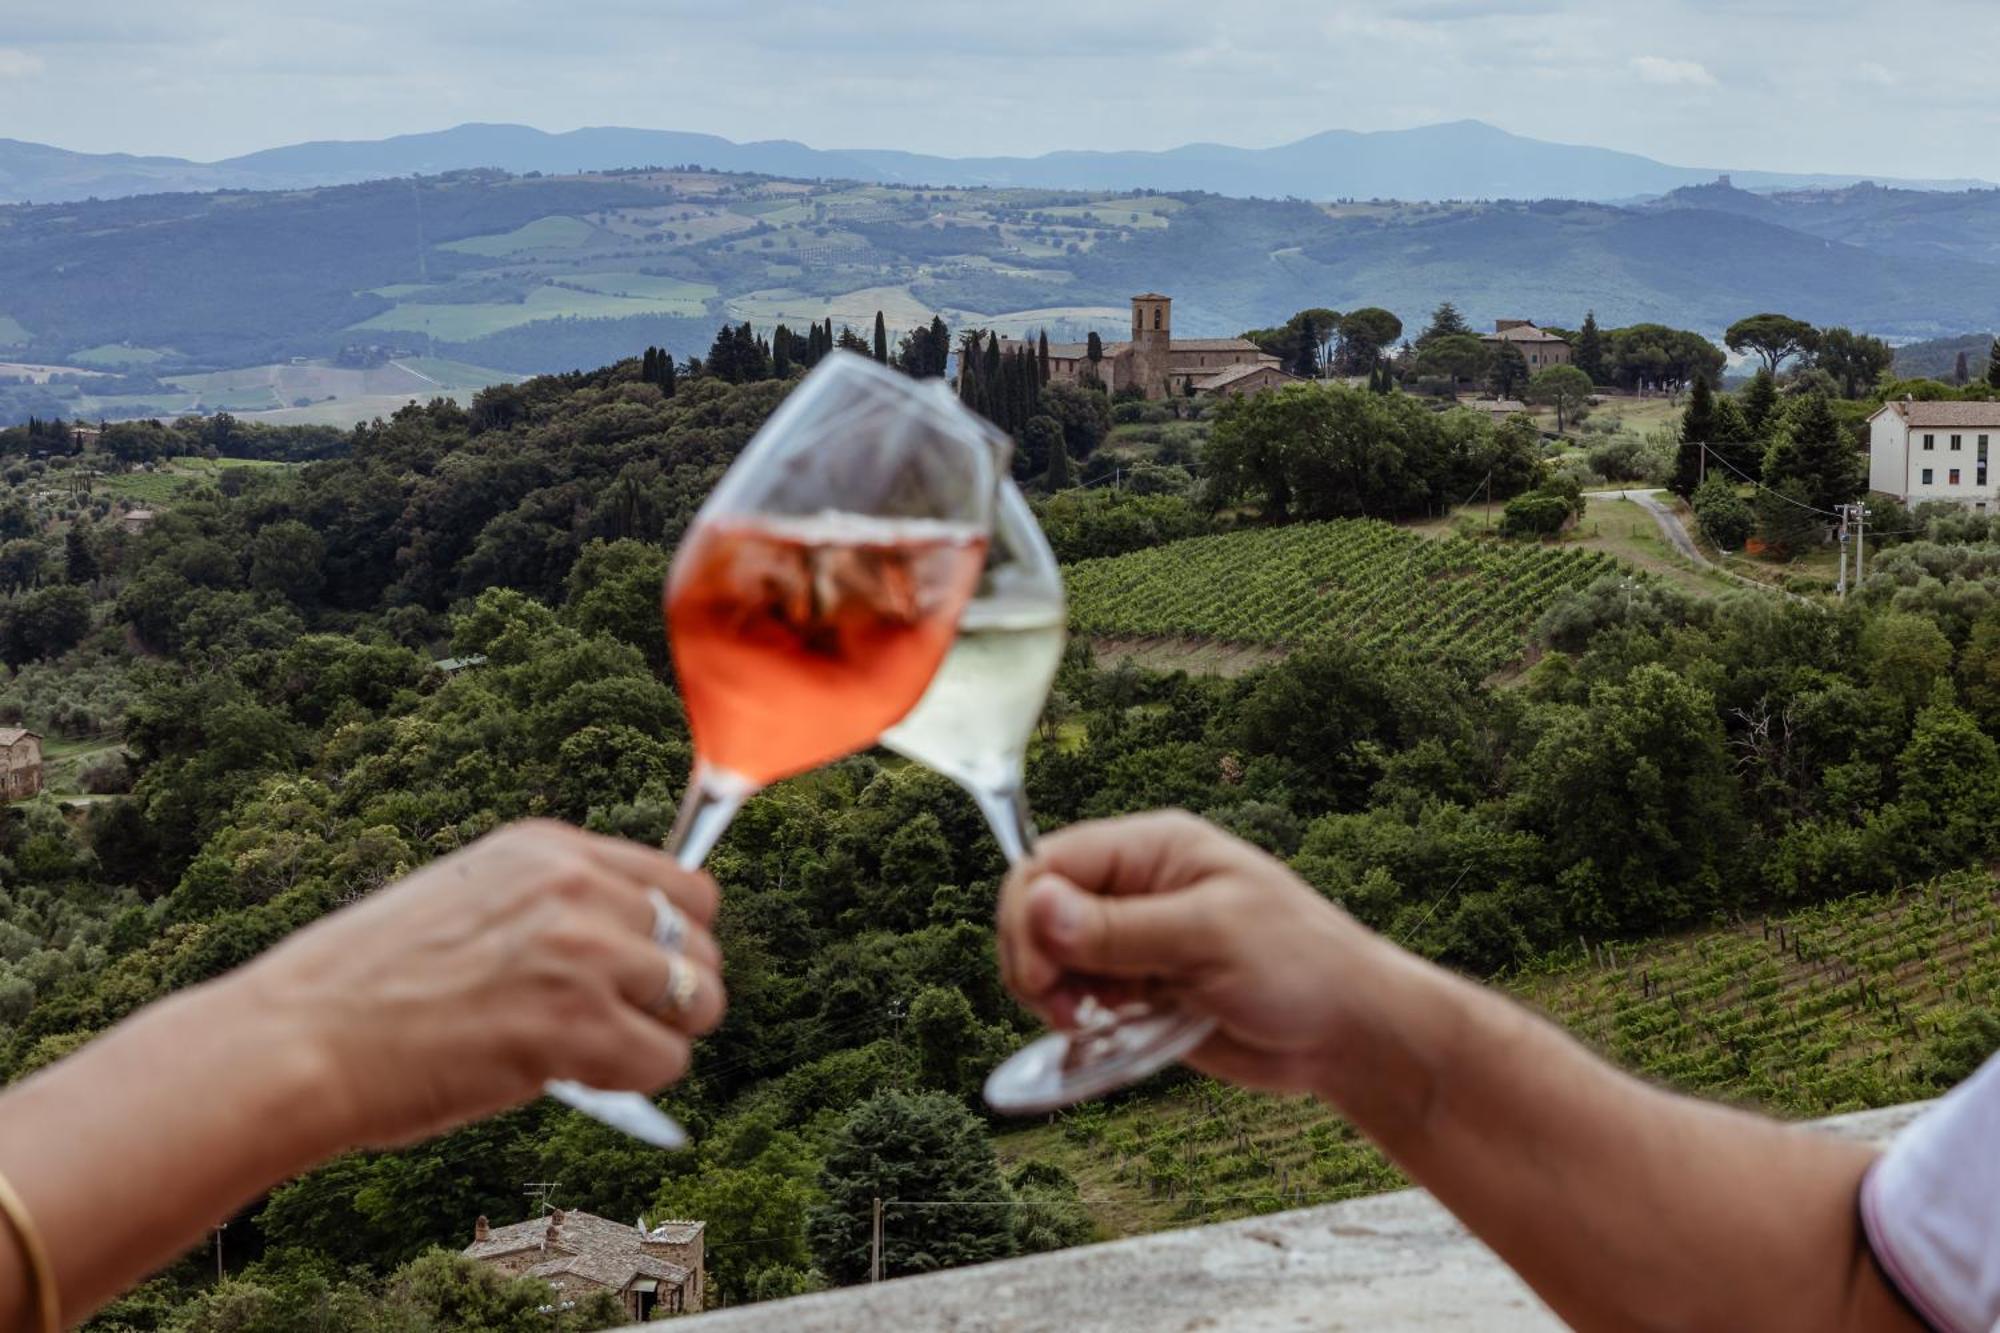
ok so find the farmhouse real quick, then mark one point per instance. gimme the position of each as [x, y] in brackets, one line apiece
[652, 1269]
[1539, 348]
[1157, 364]
[20, 763]
[1933, 451]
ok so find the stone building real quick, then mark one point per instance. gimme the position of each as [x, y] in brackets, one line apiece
[20, 763]
[654, 1270]
[1539, 348]
[1159, 364]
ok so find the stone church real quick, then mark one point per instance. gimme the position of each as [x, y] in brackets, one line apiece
[1160, 365]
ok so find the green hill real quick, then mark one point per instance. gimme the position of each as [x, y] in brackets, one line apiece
[555, 272]
[1861, 1002]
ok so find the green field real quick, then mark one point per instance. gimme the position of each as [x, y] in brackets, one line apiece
[11, 332]
[550, 233]
[1357, 580]
[1832, 1009]
[647, 286]
[116, 355]
[169, 480]
[462, 323]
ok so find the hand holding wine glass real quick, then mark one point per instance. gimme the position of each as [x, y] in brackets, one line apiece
[814, 596]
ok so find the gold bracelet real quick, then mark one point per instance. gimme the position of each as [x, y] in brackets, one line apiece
[40, 1271]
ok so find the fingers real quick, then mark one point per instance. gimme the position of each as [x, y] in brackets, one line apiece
[630, 1052]
[1160, 935]
[644, 867]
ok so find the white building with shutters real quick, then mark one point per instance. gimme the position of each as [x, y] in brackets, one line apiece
[1935, 451]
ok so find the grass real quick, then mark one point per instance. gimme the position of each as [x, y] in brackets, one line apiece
[12, 332]
[1623, 529]
[647, 286]
[1820, 1011]
[115, 354]
[556, 232]
[167, 481]
[463, 323]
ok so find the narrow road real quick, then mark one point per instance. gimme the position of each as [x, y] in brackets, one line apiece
[1681, 540]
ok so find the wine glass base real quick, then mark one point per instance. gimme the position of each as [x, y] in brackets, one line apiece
[1062, 1068]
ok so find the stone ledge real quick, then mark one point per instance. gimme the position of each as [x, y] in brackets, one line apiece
[1394, 1261]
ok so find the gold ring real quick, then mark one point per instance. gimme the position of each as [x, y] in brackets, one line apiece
[678, 995]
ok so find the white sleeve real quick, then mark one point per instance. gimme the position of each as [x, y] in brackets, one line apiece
[1931, 1208]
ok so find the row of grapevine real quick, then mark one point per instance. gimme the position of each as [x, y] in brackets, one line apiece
[1829, 1009]
[1364, 581]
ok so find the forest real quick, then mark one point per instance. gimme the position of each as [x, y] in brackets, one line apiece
[269, 649]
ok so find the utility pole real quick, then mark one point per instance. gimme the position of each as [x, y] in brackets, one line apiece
[875, 1244]
[1702, 469]
[1841, 588]
[220, 1227]
[1860, 512]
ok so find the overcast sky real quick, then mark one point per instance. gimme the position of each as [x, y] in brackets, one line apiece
[1893, 87]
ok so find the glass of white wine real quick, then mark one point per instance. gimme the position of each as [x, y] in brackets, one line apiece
[973, 725]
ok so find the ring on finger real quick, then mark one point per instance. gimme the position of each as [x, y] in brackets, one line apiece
[682, 986]
[670, 924]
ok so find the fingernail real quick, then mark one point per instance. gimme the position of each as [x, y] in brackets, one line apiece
[1065, 915]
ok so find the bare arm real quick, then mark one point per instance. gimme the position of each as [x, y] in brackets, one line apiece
[1625, 1207]
[525, 957]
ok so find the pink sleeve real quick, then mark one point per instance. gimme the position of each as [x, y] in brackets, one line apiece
[1931, 1208]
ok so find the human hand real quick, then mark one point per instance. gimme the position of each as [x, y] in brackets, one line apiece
[460, 990]
[1168, 901]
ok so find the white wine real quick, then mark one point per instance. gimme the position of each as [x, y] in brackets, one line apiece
[973, 723]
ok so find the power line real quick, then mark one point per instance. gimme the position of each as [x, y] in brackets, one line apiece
[1762, 487]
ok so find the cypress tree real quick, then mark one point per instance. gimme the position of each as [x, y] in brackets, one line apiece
[1042, 357]
[781, 352]
[1589, 354]
[1697, 429]
[1059, 476]
[881, 339]
[1993, 364]
[668, 380]
[989, 372]
[649, 369]
[1962, 372]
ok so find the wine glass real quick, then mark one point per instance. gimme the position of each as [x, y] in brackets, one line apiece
[973, 725]
[813, 598]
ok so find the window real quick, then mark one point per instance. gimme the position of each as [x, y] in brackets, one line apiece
[1953, 478]
[1930, 441]
[1927, 476]
[1979, 477]
[1957, 442]
[1982, 448]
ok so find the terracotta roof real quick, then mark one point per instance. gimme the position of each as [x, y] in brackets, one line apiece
[1523, 333]
[9, 735]
[1073, 350]
[1945, 414]
[1151, 296]
[588, 1246]
[1214, 345]
[1228, 375]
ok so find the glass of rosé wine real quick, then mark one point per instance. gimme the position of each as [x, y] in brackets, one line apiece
[814, 596]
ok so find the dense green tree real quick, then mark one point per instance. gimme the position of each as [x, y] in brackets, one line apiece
[1724, 516]
[1459, 357]
[1759, 404]
[286, 558]
[881, 346]
[1812, 450]
[1855, 360]
[1773, 338]
[1446, 322]
[1787, 522]
[919, 1147]
[1565, 388]
[1588, 355]
[1083, 414]
[1364, 333]
[1993, 365]
[1698, 431]
[80, 562]
[1507, 373]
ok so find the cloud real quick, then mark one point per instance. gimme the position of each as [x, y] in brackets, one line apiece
[18, 64]
[1879, 75]
[1672, 73]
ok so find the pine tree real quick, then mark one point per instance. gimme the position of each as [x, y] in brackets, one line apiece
[881, 339]
[1445, 322]
[1697, 431]
[1589, 354]
[1759, 402]
[1811, 452]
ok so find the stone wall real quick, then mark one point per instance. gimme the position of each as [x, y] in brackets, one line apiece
[1395, 1262]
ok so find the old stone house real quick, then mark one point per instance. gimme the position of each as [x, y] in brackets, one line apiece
[1160, 365]
[654, 1269]
[1539, 348]
[20, 763]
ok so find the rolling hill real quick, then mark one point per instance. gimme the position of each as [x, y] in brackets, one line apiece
[1465, 159]
[525, 274]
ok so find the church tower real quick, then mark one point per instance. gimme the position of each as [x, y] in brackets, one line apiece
[1152, 342]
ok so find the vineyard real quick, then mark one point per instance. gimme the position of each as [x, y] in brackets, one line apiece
[1830, 1009]
[1364, 581]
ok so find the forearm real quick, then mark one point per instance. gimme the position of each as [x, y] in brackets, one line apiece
[128, 1151]
[1622, 1205]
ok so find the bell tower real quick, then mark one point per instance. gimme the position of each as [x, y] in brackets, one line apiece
[1152, 342]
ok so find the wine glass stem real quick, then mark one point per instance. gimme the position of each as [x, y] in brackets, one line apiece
[713, 797]
[1006, 809]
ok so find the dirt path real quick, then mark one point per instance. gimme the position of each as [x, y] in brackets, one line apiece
[1683, 541]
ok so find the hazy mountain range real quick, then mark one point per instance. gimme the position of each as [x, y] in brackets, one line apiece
[1464, 159]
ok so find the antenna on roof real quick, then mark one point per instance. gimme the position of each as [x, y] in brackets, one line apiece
[541, 1191]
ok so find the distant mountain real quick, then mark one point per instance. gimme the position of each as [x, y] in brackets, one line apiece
[1464, 159]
